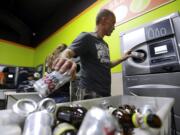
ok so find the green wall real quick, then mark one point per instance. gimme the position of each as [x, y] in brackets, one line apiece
[86, 22]
[16, 55]
[68, 33]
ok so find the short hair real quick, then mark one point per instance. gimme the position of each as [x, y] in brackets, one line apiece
[103, 13]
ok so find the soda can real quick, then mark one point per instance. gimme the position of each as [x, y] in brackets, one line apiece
[138, 55]
[10, 130]
[17, 115]
[24, 107]
[39, 123]
[48, 104]
[98, 122]
[51, 82]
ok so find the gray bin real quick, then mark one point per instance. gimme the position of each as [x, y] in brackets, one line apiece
[162, 106]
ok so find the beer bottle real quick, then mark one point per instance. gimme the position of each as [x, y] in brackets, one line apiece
[124, 120]
[131, 109]
[129, 119]
[72, 115]
[147, 120]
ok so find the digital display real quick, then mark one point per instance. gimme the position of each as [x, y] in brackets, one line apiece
[161, 49]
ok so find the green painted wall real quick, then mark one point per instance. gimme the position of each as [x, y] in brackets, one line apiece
[86, 22]
[16, 55]
[11, 54]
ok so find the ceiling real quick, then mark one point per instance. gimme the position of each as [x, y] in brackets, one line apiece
[29, 22]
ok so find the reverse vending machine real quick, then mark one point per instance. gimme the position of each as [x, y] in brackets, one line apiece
[158, 72]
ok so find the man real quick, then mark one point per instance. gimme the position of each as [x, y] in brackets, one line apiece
[95, 79]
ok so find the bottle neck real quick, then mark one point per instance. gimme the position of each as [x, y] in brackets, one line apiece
[146, 120]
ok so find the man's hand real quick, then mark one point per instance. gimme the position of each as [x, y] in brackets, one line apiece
[65, 65]
[127, 55]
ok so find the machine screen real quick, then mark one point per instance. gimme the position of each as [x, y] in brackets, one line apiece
[161, 49]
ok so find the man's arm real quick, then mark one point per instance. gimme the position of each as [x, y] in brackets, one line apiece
[118, 61]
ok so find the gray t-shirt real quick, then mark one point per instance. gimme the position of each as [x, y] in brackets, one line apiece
[95, 63]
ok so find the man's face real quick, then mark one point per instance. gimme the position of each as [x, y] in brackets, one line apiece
[109, 23]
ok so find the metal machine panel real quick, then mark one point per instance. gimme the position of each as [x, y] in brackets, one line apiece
[158, 73]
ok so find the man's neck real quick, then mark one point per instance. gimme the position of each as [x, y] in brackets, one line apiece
[99, 33]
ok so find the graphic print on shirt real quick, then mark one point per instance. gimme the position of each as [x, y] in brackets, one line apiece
[102, 53]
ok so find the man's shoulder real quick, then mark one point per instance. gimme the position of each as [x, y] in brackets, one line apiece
[85, 34]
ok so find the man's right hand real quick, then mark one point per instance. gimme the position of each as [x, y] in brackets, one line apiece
[63, 65]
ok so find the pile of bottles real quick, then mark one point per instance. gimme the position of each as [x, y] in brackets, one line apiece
[130, 117]
[127, 117]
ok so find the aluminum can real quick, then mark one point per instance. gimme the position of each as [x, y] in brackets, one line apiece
[10, 130]
[39, 123]
[24, 107]
[48, 104]
[51, 82]
[17, 115]
[138, 55]
[98, 122]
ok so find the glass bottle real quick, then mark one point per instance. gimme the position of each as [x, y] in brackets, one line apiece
[129, 118]
[72, 115]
